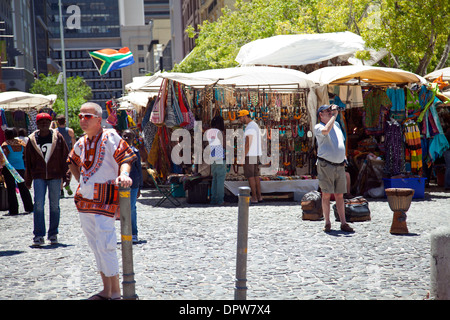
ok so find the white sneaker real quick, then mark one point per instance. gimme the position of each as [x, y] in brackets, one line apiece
[53, 239]
[38, 241]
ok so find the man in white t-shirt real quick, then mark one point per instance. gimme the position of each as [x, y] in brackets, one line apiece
[252, 152]
[331, 162]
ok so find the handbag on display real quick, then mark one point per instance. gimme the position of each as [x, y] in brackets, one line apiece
[112, 118]
[191, 116]
[158, 111]
[171, 118]
[183, 109]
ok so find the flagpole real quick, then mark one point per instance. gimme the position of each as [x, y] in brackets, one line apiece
[63, 55]
[107, 87]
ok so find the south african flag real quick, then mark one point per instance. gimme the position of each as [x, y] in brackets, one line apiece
[107, 60]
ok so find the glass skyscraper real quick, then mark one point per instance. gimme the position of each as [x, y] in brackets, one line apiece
[99, 19]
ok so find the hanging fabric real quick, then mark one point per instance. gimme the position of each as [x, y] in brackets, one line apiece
[149, 133]
[122, 120]
[158, 111]
[394, 159]
[111, 108]
[184, 110]
[171, 119]
[191, 115]
[340, 118]
[413, 151]
[148, 111]
[426, 98]
[376, 109]
[172, 104]
[157, 157]
[439, 144]
[31, 124]
[413, 106]
[398, 109]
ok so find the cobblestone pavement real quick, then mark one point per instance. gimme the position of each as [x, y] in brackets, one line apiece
[190, 253]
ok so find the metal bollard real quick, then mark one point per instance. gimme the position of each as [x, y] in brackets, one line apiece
[129, 288]
[240, 290]
[440, 264]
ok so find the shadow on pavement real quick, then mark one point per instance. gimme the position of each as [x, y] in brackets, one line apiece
[8, 253]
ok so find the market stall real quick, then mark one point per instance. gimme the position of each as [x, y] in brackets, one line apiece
[19, 109]
[298, 187]
[24, 100]
[278, 99]
[392, 127]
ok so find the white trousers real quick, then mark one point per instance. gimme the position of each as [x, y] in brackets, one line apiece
[100, 232]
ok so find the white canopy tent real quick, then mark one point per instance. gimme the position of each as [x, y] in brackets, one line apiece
[255, 77]
[259, 77]
[137, 83]
[23, 100]
[436, 74]
[136, 98]
[153, 83]
[364, 74]
[262, 77]
[300, 49]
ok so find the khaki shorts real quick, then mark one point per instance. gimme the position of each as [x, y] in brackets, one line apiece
[332, 178]
[251, 167]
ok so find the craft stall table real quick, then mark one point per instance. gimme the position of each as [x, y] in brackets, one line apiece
[298, 187]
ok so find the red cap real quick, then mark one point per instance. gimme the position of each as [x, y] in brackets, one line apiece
[43, 115]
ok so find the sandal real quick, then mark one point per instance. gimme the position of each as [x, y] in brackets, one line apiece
[327, 227]
[345, 227]
[98, 297]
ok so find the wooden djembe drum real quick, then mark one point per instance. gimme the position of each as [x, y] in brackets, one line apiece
[399, 200]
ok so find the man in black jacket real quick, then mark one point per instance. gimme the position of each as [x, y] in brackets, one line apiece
[46, 155]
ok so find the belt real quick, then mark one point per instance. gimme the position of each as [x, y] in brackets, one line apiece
[332, 163]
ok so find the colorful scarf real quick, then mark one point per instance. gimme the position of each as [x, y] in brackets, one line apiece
[413, 151]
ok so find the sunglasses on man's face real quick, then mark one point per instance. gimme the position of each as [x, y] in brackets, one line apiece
[86, 116]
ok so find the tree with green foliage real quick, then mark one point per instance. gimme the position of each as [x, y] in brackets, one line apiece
[219, 42]
[78, 92]
[416, 33]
